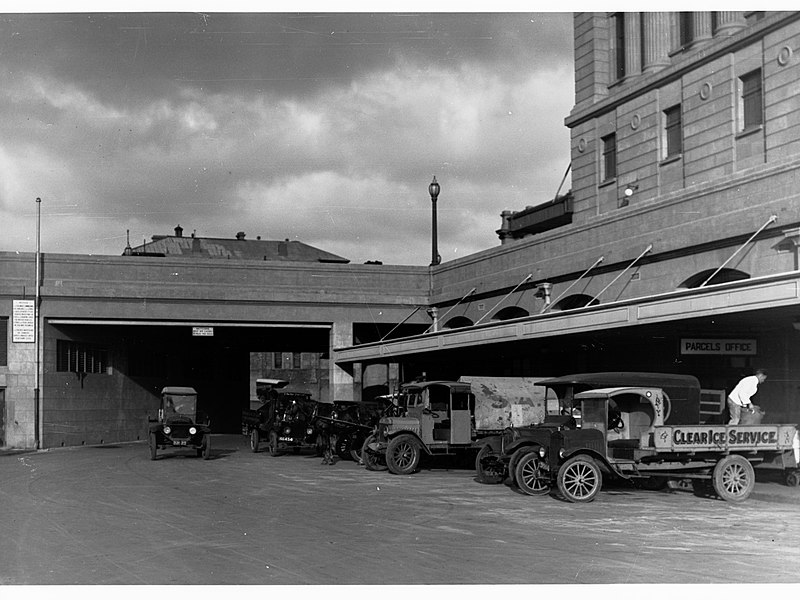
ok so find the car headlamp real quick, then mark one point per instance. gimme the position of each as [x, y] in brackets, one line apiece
[309, 431]
[167, 429]
[542, 451]
[192, 430]
[287, 431]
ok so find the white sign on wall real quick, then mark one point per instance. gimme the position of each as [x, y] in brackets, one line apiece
[23, 329]
[203, 331]
[718, 346]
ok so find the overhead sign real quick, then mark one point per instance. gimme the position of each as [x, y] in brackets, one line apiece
[24, 322]
[202, 331]
[718, 346]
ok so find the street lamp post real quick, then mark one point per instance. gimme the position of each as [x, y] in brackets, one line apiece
[433, 190]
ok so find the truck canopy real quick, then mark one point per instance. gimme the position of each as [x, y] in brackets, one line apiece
[502, 402]
[176, 390]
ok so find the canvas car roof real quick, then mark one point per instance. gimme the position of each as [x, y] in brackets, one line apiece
[179, 390]
[621, 378]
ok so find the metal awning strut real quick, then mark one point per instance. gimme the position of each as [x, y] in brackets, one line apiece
[464, 297]
[772, 219]
[561, 295]
[529, 276]
[625, 270]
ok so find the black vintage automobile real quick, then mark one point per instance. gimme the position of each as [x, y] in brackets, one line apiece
[179, 424]
[285, 420]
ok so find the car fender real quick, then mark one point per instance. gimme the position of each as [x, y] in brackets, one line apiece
[413, 434]
[605, 466]
[495, 442]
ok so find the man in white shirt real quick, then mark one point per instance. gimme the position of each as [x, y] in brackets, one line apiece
[740, 395]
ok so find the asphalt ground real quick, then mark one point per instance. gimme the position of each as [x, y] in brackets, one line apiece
[107, 515]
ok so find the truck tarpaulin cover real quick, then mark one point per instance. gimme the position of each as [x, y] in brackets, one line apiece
[501, 402]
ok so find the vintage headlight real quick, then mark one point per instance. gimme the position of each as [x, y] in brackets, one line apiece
[192, 430]
[287, 431]
[542, 451]
[561, 453]
[309, 431]
[167, 429]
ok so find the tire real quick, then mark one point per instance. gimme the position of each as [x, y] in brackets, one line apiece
[403, 454]
[793, 478]
[532, 475]
[153, 446]
[512, 463]
[273, 443]
[734, 478]
[580, 479]
[372, 460]
[206, 447]
[483, 475]
[355, 449]
[255, 439]
[343, 447]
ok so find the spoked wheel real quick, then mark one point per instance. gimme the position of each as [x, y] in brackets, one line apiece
[273, 443]
[255, 439]
[533, 476]
[403, 454]
[579, 479]
[734, 478]
[514, 460]
[206, 447]
[373, 461]
[487, 468]
[153, 446]
[793, 478]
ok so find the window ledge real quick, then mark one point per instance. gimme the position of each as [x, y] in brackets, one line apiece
[750, 131]
[607, 182]
[670, 159]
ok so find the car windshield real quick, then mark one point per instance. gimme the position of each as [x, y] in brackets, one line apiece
[178, 404]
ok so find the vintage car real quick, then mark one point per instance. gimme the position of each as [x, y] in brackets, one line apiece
[179, 424]
[284, 419]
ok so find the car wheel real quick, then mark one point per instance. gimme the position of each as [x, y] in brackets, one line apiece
[343, 447]
[273, 443]
[255, 439]
[532, 475]
[733, 478]
[579, 479]
[403, 454]
[206, 447]
[490, 472]
[793, 479]
[373, 461]
[514, 460]
[153, 446]
[355, 449]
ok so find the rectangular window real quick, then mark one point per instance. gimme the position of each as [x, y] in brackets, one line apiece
[3, 341]
[673, 132]
[73, 357]
[277, 362]
[296, 362]
[751, 100]
[686, 25]
[618, 23]
[609, 163]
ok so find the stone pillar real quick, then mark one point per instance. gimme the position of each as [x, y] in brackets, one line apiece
[633, 44]
[729, 22]
[341, 381]
[702, 28]
[656, 42]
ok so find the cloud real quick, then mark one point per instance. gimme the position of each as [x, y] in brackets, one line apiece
[345, 166]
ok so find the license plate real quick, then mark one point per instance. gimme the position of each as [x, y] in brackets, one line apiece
[285, 439]
[179, 443]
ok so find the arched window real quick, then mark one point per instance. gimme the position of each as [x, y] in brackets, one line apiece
[575, 301]
[457, 322]
[724, 276]
[510, 312]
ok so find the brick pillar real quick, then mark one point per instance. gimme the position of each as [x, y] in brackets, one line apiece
[729, 22]
[341, 381]
[656, 42]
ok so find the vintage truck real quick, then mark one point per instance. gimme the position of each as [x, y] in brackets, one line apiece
[447, 417]
[622, 434]
[285, 420]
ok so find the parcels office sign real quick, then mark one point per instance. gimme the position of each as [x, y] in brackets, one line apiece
[718, 346]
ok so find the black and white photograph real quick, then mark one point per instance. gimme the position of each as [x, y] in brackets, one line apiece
[363, 301]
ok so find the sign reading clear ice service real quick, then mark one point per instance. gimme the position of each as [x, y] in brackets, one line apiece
[24, 322]
[203, 331]
[718, 346]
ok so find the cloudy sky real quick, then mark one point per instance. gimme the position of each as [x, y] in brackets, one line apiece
[321, 127]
